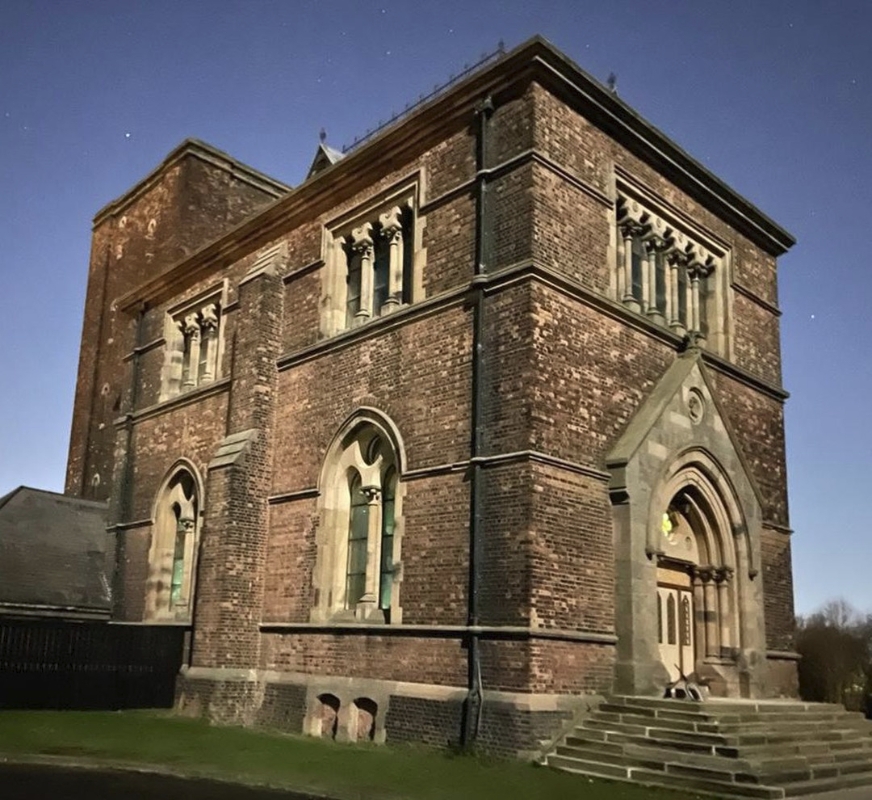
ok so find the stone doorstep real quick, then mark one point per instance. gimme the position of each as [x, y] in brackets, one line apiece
[730, 728]
[678, 734]
[657, 778]
[779, 773]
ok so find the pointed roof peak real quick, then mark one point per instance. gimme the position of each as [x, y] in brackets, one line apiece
[325, 156]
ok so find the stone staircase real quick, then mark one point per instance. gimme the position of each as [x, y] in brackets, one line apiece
[723, 747]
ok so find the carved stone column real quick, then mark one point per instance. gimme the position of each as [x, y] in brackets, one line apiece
[693, 273]
[191, 330]
[176, 363]
[363, 246]
[646, 278]
[723, 578]
[698, 611]
[209, 325]
[392, 228]
[677, 261]
[628, 231]
[653, 248]
[373, 547]
[712, 648]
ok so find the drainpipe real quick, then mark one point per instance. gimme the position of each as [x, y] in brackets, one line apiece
[474, 699]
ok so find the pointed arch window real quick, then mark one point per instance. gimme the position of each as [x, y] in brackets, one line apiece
[357, 567]
[174, 542]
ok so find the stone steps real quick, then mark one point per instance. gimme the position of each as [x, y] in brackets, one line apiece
[767, 749]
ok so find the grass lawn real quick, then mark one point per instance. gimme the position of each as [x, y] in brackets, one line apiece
[296, 762]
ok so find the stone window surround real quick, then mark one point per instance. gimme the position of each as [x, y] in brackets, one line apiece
[666, 232]
[330, 573]
[200, 318]
[162, 553]
[356, 224]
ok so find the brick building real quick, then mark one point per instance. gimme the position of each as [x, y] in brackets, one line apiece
[481, 418]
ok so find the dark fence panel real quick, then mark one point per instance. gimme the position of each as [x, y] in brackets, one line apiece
[88, 665]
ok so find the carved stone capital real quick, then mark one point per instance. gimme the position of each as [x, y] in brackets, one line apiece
[372, 493]
[191, 325]
[209, 317]
[706, 574]
[361, 239]
[677, 258]
[655, 244]
[392, 224]
[631, 228]
[723, 574]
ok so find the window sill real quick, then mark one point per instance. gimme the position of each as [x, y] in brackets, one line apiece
[180, 400]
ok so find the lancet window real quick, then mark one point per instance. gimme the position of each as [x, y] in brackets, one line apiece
[360, 531]
[169, 589]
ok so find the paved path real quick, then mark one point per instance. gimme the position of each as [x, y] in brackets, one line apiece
[36, 781]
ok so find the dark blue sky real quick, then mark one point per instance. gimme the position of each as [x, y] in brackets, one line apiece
[774, 97]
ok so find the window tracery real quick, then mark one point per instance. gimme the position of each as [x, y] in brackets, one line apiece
[358, 565]
[169, 590]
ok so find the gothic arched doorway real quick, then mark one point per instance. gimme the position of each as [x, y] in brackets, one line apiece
[698, 609]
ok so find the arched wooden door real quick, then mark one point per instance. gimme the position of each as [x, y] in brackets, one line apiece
[675, 621]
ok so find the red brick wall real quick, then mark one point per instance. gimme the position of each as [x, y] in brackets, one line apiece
[190, 203]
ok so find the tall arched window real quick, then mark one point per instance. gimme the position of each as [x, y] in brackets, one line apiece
[169, 588]
[356, 572]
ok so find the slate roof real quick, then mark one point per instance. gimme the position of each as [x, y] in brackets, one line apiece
[54, 557]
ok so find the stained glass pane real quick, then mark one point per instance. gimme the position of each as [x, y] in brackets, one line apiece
[354, 589]
[382, 270]
[670, 619]
[682, 296]
[352, 296]
[637, 269]
[703, 304]
[386, 575]
[358, 532]
[660, 282]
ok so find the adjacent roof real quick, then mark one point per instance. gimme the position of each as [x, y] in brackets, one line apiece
[53, 554]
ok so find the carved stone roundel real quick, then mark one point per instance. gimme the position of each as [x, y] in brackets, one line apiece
[695, 406]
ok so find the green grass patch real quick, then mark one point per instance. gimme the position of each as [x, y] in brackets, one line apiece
[305, 764]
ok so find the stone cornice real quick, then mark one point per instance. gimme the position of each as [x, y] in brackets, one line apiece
[755, 298]
[535, 60]
[186, 398]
